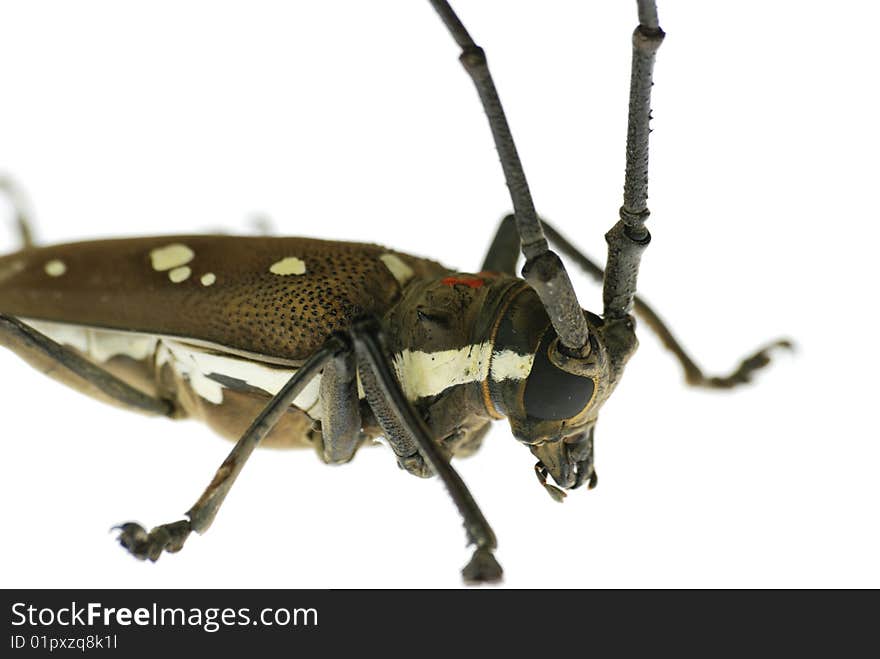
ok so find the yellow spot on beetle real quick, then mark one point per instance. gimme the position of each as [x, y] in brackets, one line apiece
[180, 274]
[55, 268]
[401, 271]
[288, 266]
[208, 279]
[171, 256]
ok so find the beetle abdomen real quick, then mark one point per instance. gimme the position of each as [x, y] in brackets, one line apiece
[221, 389]
[274, 297]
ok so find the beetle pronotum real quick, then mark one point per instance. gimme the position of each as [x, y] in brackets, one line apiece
[172, 259]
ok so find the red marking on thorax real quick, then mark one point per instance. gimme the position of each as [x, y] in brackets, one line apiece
[471, 282]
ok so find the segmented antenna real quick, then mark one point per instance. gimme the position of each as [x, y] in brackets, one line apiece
[543, 269]
[629, 237]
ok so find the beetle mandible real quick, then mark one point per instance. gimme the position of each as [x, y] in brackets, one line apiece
[301, 342]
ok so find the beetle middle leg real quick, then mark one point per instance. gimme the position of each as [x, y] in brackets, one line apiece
[171, 537]
[502, 258]
[406, 423]
[402, 424]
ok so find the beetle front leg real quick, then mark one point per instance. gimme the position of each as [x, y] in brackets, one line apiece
[171, 537]
[340, 435]
[399, 439]
[404, 420]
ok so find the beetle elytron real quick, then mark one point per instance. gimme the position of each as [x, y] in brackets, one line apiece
[297, 342]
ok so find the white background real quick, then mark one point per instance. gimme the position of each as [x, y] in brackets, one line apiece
[129, 118]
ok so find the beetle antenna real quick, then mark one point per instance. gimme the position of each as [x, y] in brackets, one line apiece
[543, 269]
[693, 374]
[628, 238]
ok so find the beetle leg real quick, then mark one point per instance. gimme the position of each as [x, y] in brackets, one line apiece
[503, 253]
[398, 437]
[170, 537]
[368, 341]
[21, 209]
[694, 376]
[340, 408]
[72, 369]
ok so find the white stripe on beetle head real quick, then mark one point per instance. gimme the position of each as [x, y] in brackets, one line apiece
[424, 374]
[510, 365]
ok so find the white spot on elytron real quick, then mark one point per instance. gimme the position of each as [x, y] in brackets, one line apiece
[401, 271]
[171, 256]
[55, 268]
[288, 266]
[180, 274]
[208, 279]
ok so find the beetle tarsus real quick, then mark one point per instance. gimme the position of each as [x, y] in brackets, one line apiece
[483, 568]
[743, 373]
[149, 546]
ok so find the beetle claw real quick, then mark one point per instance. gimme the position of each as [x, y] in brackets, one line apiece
[149, 546]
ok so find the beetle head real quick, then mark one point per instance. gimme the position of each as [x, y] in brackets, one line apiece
[552, 399]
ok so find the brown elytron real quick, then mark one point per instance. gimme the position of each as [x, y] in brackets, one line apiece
[246, 307]
[299, 342]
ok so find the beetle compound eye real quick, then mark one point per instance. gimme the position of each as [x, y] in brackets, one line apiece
[554, 394]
